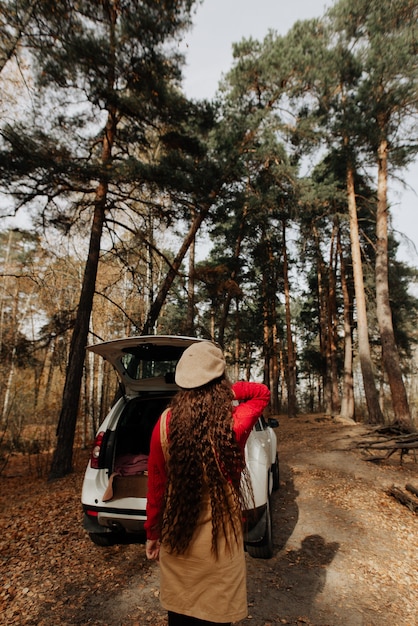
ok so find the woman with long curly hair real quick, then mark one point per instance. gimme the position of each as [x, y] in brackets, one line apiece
[196, 492]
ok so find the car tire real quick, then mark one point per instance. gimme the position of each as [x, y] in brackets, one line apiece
[104, 540]
[275, 473]
[264, 549]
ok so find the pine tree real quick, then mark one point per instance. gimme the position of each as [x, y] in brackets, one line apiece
[108, 89]
[384, 36]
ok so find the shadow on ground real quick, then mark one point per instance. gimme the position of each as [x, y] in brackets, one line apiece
[283, 589]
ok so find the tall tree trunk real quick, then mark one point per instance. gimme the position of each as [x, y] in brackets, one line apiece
[18, 316]
[172, 272]
[237, 342]
[347, 395]
[323, 327]
[372, 398]
[150, 278]
[274, 371]
[291, 356]
[269, 286]
[49, 367]
[62, 458]
[90, 415]
[235, 265]
[191, 287]
[281, 391]
[270, 365]
[8, 386]
[230, 293]
[384, 314]
[332, 321]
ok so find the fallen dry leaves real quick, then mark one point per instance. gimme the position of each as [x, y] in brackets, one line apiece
[346, 553]
[50, 570]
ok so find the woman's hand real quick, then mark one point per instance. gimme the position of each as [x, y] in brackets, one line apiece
[152, 549]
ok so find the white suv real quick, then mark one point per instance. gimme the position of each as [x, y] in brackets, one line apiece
[115, 483]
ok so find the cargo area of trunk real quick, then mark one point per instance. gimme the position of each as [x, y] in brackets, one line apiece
[129, 471]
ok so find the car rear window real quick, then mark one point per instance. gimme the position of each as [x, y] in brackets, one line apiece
[150, 361]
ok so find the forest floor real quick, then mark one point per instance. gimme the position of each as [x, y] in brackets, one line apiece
[346, 553]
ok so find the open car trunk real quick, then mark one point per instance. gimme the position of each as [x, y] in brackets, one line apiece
[128, 447]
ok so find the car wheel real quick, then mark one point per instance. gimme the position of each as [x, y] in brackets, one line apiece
[103, 539]
[275, 473]
[264, 548]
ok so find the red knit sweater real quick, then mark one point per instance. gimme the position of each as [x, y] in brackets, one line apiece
[253, 399]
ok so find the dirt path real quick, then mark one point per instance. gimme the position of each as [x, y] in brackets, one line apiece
[346, 553]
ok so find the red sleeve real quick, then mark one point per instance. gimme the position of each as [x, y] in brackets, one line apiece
[157, 478]
[253, 399]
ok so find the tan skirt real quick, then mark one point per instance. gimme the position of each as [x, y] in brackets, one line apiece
[201, 585]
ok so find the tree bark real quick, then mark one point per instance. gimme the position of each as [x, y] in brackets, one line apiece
[229, 295]
[323, 327]
[172, 272]
[269, 283]
[62, 458]
[237, 342]
[384, 314]
[332, 322]
[347, 395]
[291, 356]
[372, 398]
[270, 349]
[191, 287]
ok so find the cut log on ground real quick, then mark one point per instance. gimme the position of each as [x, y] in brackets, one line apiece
[403, 498]
[412, 489]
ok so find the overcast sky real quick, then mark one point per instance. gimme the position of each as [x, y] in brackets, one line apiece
[208, 49]
[220, 23]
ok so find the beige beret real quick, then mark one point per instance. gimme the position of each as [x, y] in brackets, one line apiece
[199, 364]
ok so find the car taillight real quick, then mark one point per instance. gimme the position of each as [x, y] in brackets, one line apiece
[95, 452]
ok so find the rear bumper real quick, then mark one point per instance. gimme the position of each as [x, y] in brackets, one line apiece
[99, 520]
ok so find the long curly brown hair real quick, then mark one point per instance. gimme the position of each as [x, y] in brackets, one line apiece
[204, 457]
